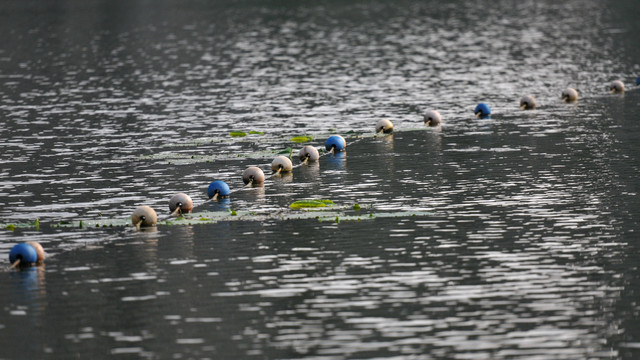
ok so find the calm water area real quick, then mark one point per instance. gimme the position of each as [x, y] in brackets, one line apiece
[512, 237]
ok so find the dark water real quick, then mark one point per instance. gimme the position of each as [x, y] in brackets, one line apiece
[525, 246]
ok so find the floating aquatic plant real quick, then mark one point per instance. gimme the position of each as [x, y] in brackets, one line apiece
[11, 227]
[301, 139]
[302, 204]
[237, 134]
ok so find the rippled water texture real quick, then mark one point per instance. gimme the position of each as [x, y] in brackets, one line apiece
[524, 240]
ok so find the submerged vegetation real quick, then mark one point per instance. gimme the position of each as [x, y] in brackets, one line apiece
[317, 210]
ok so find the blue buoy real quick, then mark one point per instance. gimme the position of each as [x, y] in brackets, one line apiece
[218, 188]
[638, 81]
[335, 143]
[23, 252]
[482, 110]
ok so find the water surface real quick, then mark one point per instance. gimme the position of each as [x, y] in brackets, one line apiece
[523, 246]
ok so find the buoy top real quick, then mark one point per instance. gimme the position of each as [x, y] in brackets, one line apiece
[432, 118]
[616, 86]
[384, 126]
[482, 109]
[144, 216]
[181, 203]
[23, 252]
[335, 143]
[219, 188]
[569, 95]
[528, 102]
[281, 164]
[308, 153]
[253, 175]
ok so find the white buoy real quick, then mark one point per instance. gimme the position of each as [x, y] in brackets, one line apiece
[616, 87]
[144, 216]
[281, 164]
[528, 102]
[39, 251]
[384, 126]
[308, 153]
[569, 95]
[180, 203]
[253, 176]
[432, 118]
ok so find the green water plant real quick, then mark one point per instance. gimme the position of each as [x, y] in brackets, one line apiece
[305, 204]
[301, 139]
[28, 225]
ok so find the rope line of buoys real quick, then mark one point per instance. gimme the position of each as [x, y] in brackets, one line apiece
[31, 253]
[254, 176]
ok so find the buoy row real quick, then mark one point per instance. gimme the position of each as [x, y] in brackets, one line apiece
[181, 203]
[254, 176]
[30, 253]
[569, 95]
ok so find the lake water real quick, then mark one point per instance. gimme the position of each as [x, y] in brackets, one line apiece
[513, 237]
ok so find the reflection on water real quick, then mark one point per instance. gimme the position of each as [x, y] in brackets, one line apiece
[529, 247]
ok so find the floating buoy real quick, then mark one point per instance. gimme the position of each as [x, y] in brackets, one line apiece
[528, 102]
[482, 110]
[638, 81]
[22, 255]
[384, 126]
[39, 251]
[144, 216]
[180, 203]
[569, 95]
[281, 164]
[335, 143]
[253, 176]
[308, 153]
[616, 87]
[432, 118]
[218, 189]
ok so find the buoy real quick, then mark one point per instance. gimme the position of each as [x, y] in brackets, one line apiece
[384, 126]
[39, 251]
[218, 189]
[432, 118]
[253, 175]
[308, 153]
[528, 102]
[180, 203]
[281, 164]
[569, 95]
[638, 81]
[335, 143]
[616, 86]
[22, 254]
[482, 110]
[144, 216]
